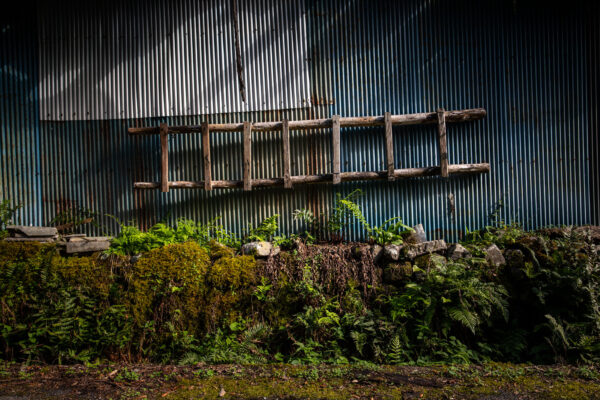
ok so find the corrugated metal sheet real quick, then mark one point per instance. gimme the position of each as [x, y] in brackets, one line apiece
[533, 69]
[138, 59]
[19, 126]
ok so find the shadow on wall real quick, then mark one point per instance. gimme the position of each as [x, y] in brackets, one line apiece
[364, 59]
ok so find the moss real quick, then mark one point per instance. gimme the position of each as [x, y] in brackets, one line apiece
[168, 279]
[22, 251]
[230, 281]
[178, 283]
[300, 388]
[84, 273]
[232, 273]
[218, 250]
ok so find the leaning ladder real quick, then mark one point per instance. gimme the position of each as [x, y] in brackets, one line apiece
[441, 117]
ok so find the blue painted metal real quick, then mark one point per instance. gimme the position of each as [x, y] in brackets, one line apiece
[19, 127]
[534, 70]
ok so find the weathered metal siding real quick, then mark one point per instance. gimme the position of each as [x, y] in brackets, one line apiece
[533, 69]
[19, 126]
[528, 66]
[141, 58]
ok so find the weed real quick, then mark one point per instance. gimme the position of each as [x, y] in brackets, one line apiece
[127, 375]
[204, 373]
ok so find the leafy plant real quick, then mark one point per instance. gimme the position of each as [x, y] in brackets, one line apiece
[131, 240]
[264, 231]
[7, 213]
[72, 218]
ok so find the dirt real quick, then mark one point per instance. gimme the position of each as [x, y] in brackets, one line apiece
[149, 381]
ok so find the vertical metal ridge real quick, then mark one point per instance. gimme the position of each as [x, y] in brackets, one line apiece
[534, 70]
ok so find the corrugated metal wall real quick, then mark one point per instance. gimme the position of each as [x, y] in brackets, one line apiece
[141, 58]
[534, 69]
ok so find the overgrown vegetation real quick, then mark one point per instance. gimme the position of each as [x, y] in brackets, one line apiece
[131, 240]
[345, 211]
[183, 294]
[7, 212]
[197, 301]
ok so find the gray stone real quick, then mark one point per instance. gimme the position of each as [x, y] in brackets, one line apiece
[431, 261]
[397, 272]
[32, 231]
[514, 257]
[135, 258]
[433, 246]
[417, 236]
[260, 249]
[377, 252]
[494, 256]
[392, 251]
[457, 251]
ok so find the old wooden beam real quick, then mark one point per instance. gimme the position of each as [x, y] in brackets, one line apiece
[285, 131]
[327, 178]
[335, 142]
[164, 157]
[402, 119]
[87, 245]
[206, 162]
[389, 145]
[247, 155]
[443, 148]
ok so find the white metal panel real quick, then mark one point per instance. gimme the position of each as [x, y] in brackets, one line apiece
[142, 59]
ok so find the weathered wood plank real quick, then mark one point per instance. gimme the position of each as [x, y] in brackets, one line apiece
[30, 239]
[335, 142]
[401, 119]
[287, 182]
[32, 231]
[247, 155]
[164, 157]
[206, 156]
[327, 178]
[443, 148]
[85, 246]
[389, 145]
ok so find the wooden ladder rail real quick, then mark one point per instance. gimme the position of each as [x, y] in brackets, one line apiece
[440, 117]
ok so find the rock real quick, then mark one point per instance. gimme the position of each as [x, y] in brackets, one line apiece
[457, 251]
[535, 243]
[135, 258]
[555, 233]
[219, 250]
[377, 253]
[430, 261]
[514, 257]
[494, 256]
[358, 251]
[392, 251]
[397, 272]
[592, 233]
[260, 249]
[433, 246]
[417, 236]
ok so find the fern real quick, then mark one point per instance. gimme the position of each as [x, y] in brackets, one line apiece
[465, 317]
[396, 353]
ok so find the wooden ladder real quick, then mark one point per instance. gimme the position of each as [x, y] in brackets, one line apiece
[441, 117]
